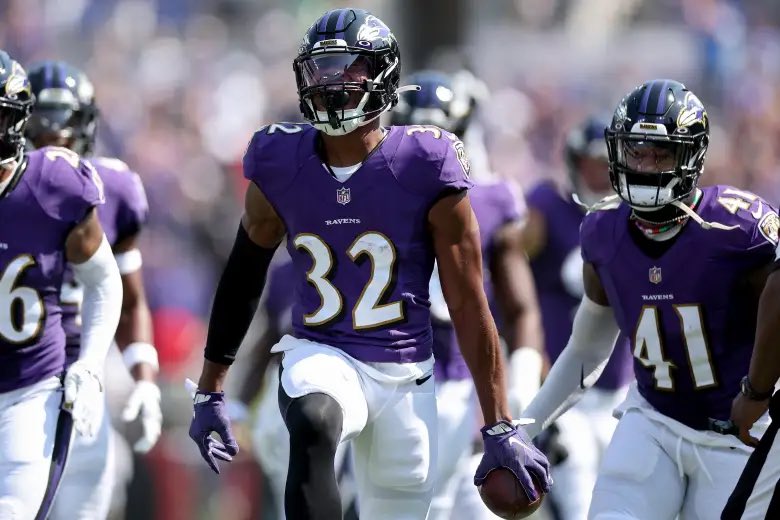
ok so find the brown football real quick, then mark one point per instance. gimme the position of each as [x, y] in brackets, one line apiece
[504, 496]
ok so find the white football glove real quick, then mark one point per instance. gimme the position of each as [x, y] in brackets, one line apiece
[84, 400]
[144, 401]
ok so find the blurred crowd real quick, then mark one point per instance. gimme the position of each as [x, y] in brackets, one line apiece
[183, 84]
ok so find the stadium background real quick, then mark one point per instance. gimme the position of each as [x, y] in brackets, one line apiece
[182, 84]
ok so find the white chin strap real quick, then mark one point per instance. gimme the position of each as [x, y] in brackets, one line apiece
[703, 223]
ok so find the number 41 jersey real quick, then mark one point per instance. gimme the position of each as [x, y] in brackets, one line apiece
[690, 313]
[361, 249]
[55, 193]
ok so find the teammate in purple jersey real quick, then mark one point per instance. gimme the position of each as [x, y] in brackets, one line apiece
[47, 209]
[65, 115]
[551, 238]
[678, 270]
[366, 211]
[450, 104]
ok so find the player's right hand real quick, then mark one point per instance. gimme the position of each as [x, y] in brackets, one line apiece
[83, 398]
[210, 416]
[509, 447]
[744, 413]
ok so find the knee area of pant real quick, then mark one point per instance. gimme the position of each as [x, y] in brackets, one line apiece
[314, 418]
[12, 508]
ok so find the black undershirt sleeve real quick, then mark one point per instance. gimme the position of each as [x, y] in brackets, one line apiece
[238, 294]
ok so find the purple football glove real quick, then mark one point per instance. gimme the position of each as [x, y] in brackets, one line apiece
[211, 416]
[511, 448]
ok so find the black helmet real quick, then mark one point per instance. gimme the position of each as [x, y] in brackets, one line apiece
[439, 102]
[656, 143]
[347, 70]
[16, 100]
[64, 105]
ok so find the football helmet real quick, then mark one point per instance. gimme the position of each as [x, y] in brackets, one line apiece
[64, 106]
[16, 100]
[438, 102]
[347, 71]
[656, 144]
[585, 153]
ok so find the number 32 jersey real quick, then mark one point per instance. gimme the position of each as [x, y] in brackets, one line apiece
[361, 249]
[54, 194]
[690, 312]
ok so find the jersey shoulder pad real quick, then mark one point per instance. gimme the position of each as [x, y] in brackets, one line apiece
[430, 161]
[124, 188]
[65, 186]
[543, 196]
[505, 199]
[274, 155]
[757, 220]
[602, 228]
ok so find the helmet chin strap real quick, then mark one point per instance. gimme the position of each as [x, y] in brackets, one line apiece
[703, 223]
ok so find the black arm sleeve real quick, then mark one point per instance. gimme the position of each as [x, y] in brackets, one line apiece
[236, 299]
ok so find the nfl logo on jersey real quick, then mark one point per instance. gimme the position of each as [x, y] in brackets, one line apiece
[342, 196]
[655, 275]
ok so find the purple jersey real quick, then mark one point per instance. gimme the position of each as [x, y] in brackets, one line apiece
[123, 215]
[557, 271]
[54, 194]
[494, 206]
[361, 248]
[688, 310]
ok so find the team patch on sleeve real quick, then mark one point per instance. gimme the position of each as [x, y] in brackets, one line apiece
[769, 225]
[463, 159]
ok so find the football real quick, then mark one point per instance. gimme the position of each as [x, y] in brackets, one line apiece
[504, 496]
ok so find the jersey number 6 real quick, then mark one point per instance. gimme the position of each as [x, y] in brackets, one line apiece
[21, 308]
[368, 312]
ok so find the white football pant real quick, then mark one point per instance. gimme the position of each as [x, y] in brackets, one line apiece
[585, 432]
[85, 492]
[34, 442]
[271, 443]
[455, 402]
[389, 417]
[656, 468]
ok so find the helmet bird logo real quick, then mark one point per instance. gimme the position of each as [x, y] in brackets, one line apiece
[692, 113]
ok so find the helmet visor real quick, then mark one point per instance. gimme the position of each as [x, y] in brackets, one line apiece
[335, 68]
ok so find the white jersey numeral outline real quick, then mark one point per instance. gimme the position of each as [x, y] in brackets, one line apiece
[649, 351]
[368, 312]
[25, 300]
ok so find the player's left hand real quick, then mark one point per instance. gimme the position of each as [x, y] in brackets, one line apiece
[210, 416]
[744, 413]
[509, 447]
[144, 401]
[83, 398]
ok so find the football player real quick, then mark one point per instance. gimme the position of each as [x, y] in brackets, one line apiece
[48, 217]
[366, 211]
[450, 105]
[65, 115]
[551, 237]
[678, 269]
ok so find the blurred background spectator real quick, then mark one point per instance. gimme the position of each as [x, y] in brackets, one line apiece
[183, 84]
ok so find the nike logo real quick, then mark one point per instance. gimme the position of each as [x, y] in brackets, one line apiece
[514, 440]
[423, 379]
